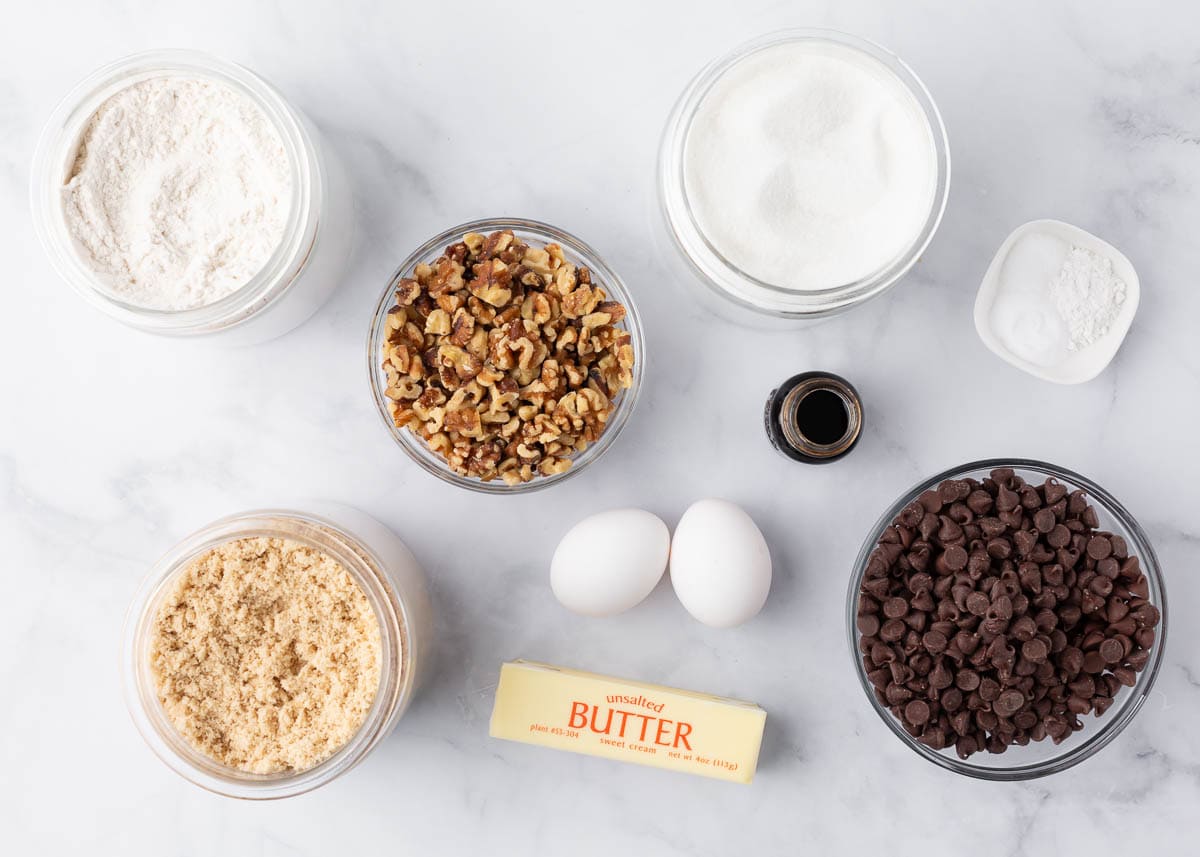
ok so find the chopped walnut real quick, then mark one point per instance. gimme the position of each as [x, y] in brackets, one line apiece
[506, 359]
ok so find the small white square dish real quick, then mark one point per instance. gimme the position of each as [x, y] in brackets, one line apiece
[1018, 319]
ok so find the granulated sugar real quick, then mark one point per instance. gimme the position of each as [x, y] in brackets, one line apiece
[179, 192]
[809, 166]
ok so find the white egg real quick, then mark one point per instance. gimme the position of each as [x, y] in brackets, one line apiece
[610, 562]
[720, 564]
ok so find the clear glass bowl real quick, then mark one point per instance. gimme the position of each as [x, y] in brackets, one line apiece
[394, 585]
[1038, 758]
[576, 252]
[299, 276]
[723, 276]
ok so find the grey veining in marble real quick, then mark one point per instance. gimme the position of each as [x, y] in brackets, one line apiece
[114, 444]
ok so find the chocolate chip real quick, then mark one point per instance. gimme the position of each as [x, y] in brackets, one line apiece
[930, 501]
[1146, 616]
[1023, 628]
[966, 641]
[1009, 703]
[1120, 549]
[868, 625]
[1054, 490]
[952, 490]
[1112, 651]
[1036, 650]
[1137, 659]
[955, 557]
[989, 689]
[1079, 705]
[1058, 537]
[1125, 676]
[967, 680]
[1127, 626]
[1025, 541]
[1101, 586]
[999, 548]
[935, 642]
[940, 677]
[979, 501]
[917, 712]
[1044, 520]
[1099, 547]
[977, 603]
[949, 532]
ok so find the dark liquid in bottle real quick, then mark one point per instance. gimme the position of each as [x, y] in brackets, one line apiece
[821, 417]
[814, 417]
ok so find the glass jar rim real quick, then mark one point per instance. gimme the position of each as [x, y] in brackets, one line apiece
[577, 251]
[1116, 719]
[397, 653]
[59, 140]
[726, 278]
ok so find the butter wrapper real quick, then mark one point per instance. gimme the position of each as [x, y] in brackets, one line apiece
[629, 721]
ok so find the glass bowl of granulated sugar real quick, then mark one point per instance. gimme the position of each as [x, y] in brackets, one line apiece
[804, 172]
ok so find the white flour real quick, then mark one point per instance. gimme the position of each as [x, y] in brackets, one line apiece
[179, 192]
[1087, 295]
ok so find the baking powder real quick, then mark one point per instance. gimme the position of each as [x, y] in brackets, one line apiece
[179, 192]
[1054, 298]
[1087, 295]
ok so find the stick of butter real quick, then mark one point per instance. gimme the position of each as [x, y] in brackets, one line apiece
[630, 721]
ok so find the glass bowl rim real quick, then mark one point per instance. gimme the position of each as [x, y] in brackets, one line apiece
[396, 682]
[1136, 696]
[744, 288]
[576, 250]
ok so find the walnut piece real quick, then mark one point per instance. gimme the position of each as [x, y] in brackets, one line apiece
[506, 359]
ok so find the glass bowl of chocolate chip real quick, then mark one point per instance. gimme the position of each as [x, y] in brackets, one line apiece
[1007, 618]
[505, 355]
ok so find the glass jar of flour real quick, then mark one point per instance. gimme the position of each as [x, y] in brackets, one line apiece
[183, 195]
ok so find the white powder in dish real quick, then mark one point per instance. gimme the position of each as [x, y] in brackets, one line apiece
[810, 166]
[179, 192]
[1053, 299]
[1087, 295]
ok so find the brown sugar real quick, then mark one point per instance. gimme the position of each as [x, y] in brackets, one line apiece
[266, 655]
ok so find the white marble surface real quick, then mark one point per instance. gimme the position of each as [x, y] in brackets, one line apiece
[114, 444]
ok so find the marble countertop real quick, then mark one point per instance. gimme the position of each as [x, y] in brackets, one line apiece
[114, 444]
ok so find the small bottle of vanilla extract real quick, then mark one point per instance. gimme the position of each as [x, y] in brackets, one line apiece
[814, 417]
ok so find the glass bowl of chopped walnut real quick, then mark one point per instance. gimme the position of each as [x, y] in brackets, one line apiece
[505, 355]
